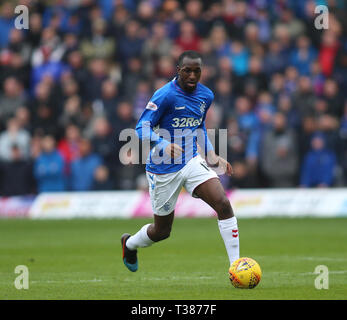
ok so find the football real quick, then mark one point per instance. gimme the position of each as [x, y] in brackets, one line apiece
[245, 273]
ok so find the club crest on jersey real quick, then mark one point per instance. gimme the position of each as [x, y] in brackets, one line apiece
[202, 107]
[151, 106]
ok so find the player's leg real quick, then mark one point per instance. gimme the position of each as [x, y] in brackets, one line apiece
[153, 232]
[164, 191]
[161, 227]
[213, 193]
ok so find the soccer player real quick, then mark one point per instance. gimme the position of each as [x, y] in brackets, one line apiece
[176, 159]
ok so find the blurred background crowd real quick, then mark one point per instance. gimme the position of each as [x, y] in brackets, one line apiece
[85, 69]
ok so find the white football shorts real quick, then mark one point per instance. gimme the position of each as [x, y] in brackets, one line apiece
[165, 188]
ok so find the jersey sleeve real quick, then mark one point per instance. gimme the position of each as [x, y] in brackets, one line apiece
[202, 134]
[150, 118]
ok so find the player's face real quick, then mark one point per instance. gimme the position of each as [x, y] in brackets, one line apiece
[189, 73]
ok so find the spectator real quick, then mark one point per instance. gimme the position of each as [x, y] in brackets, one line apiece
[291, 76]
[132, 75]
[156, 46]
[264, 25]
[123, 117]
[294, 25]
[188, 38]
[225, 70]
[238, 15]
[194, 11]
[6, 22]
[239, 58]
[97, 75]
[12, 65]
[285, 106]
[68, 146]
[317, 77]
[236, 142]
[130, 44]
[71, 23]
[71, 43]
[279, 155]
[118, 21]
[44, 108]
[329, 125]
[264, 116]
[47, 59]
[109, 96]
[102, 179]
[218, 39]
[14, 135]
[303, 55]
[224, 98]
[143, 94]
[72, 112]
[79, 71]
[274, 60]
[246, 118]
[277, 86]
[98, 45]
[327, 52]
[35, 30]
[50, 50]
[333, 97]
[11, 99]
[103, 141]
[125, 177]
[18, 45]
[166, 68]
[304, 97]
[49, 167]
[146, 14]
[318, 166]
[23, 118]
[69, 87]
[251, 40]
[255, 74]
[264, 107]
[83, 168]
[16, 175]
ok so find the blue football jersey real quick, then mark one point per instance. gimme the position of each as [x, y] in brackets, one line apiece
[175, 116]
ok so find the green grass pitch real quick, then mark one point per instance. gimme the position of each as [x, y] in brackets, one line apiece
[81, 259]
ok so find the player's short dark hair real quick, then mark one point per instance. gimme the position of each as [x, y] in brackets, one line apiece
[189, 54]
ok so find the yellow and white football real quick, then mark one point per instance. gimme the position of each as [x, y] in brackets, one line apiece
[245, 273]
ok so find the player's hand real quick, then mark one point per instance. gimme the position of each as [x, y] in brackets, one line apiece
[226, 166]
[222, 166]
[174, 150]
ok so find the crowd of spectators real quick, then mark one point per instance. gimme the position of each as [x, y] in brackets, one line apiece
[85, 69]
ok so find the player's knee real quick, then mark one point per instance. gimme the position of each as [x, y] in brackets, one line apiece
[165, 234]
[224, 209]
[162, 234]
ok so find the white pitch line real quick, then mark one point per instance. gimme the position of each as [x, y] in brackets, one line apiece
[310, 258]
[302, 273]
[68, 281]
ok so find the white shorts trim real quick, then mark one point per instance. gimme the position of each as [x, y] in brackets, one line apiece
[164, 189]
